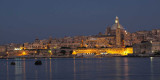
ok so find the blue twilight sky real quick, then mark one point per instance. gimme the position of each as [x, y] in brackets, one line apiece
[24, 20]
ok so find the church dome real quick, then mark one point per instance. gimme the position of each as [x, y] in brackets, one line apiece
[114, 26]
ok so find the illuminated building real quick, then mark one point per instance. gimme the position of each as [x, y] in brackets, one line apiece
[114, 39]
[99, 51]
[115, 36]
[100, 41]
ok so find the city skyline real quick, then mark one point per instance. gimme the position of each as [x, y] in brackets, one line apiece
[23, 23]
[79, 39]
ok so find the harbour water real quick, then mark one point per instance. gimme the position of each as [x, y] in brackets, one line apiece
[111, 68]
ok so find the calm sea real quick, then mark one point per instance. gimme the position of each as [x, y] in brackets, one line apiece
[113, 68]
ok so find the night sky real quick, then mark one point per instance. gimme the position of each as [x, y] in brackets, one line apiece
[24, 20]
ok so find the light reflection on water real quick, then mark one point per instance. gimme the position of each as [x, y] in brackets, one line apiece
[74, 69]
[126, 68]
[115, 68]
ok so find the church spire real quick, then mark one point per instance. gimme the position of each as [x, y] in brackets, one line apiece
[118, 33]
[117, 22]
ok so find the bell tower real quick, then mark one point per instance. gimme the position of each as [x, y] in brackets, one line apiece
[118, 33]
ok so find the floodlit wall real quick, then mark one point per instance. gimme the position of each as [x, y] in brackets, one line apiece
[119, 51]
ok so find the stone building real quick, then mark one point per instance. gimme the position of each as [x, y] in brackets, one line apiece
[155, 46]
[139, 36]
[100, 41]
[3, 50]
[142, 48]
[146, 47]
[115, 36]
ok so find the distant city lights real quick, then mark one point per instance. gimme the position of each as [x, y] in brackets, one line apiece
[17, 49]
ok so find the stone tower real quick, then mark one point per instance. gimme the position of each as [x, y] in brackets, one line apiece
[118, 33]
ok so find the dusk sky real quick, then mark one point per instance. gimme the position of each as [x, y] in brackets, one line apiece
[24, 20]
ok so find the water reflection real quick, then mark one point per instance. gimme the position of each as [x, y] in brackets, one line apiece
[7, 70]
[151, 65]
[36, 75]
[50, 68]
[126, 68]
[24, 69]
[74, 69]
[119, 68]
[46, 64]
[18, 69]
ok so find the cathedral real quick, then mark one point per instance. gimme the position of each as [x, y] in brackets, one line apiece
[115, 36]
[113, 42]
[121, 35]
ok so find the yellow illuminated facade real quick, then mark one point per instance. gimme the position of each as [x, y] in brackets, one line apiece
[23, 53]
[96, 51]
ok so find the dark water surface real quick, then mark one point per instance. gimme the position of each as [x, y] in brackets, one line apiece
[115, 68]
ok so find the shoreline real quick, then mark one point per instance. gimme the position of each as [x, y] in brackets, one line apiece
[75, 57]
